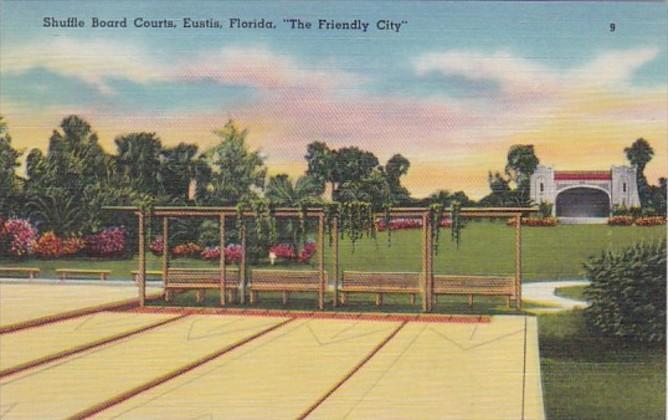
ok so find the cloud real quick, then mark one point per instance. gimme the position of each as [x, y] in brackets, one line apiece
[97, 62]
[93, 61]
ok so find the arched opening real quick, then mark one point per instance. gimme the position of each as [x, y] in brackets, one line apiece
[583, 202]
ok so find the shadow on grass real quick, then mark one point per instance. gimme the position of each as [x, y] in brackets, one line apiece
[356, 303]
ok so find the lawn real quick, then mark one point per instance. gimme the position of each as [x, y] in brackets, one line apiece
[486, 248]
[571, 292]
[589, 377]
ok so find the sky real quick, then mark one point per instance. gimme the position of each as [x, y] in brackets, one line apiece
[451, 90]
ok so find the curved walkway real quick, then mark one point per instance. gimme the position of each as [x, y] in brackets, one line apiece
[544, 292]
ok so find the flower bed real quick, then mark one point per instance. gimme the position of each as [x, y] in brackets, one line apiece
[287, 252]
[232, 253]
[535, 221]
[17, 237]
[188, 249]
[620, 221]
[156, 246]
[406, 223]
[108, 243]
[650, 221]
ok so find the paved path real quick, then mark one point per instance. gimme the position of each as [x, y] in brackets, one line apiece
[543, 292]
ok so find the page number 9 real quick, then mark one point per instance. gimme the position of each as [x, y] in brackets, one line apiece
[612, 27]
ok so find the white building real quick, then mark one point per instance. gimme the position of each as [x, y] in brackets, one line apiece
[585, 196]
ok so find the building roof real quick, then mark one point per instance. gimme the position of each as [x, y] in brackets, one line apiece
[582, 176]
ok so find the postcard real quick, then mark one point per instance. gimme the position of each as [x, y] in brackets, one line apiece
[333, 209]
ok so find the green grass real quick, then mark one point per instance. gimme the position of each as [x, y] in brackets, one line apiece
[589, 377]
[486, 248]
[571, 292]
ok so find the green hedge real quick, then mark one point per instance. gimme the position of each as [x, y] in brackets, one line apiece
[628, 292]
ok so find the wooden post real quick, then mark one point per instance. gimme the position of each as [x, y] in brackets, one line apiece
[425, 244]
[321, 260]
[242, 265]
[430, 266]
[222, 260]
[142, 259]
[518, 260]
[335, 259]
[165, 255]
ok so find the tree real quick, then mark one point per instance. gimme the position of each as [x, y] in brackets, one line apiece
[396, 167]
[138, 161]
[74, 160]
[9, 161]
[180, 166]
[282, 192]
[320, 161]
[353, 164]
[237, 171]
[521, 164]
[639, 154]
[501, 192]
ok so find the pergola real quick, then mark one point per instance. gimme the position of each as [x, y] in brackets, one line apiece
[222, 213]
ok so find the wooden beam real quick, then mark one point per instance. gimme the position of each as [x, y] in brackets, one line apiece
[142, 260]
[335, 259]
[430, 266]
[518, 261]
[222, 259]
[321, 261]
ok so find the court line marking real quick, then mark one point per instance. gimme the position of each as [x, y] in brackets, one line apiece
[352, 372]
[97, 408]
[86, 346]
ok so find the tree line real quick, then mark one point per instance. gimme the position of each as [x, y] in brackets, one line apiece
[65, 188]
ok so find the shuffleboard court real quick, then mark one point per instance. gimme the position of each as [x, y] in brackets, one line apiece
[24, 302]
[22, 347]
[67, 387]
[480, 371]
[276, 376]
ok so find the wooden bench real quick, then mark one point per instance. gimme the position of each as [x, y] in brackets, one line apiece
[149, 273]
[30, 271]
[201, 279]
[475, 286]
[380, 283]
[63, 273]
[285, 281]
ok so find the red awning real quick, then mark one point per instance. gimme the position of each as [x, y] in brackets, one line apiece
[582, 176]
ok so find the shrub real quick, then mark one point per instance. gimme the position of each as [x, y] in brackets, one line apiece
[628, 292]
[211, 253]
[108, 243]
[17, 237]
[651, 221]
[233, 253]
[73, 245]
[545, 209]
[620, 221]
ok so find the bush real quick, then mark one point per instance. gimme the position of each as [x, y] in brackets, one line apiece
[232, 253]
[17, 237]
[651, 221]
[49, 245]
[156, 246]
[620, 221]
[110, 242]
[628, 292]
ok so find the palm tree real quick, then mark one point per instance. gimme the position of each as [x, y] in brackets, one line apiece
[639, 154]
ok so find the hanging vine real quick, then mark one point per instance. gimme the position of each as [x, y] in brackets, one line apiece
[265, 222]
[456, 228]
[357, 220]
[387, 218]
[332, 212]
[436, 212]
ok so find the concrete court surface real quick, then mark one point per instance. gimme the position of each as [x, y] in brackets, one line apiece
[66, 387]
[427, 370]
[21, 302]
